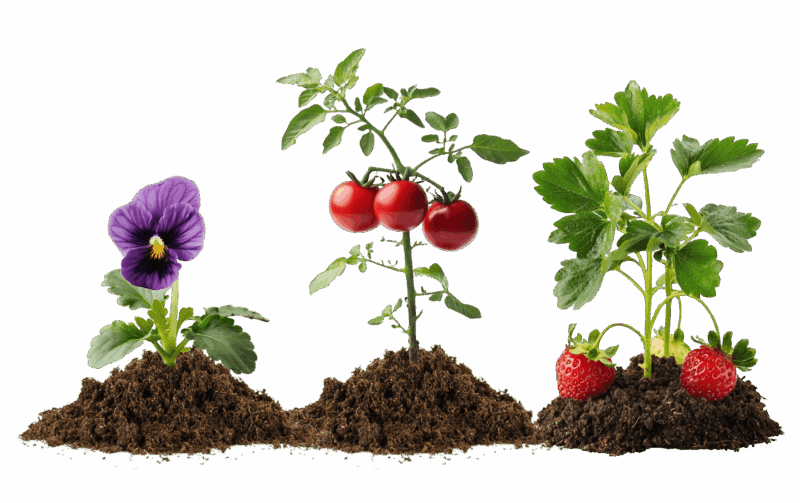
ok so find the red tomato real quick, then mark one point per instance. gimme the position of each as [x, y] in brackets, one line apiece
[450, 227]
[351, 207]
[401, 205]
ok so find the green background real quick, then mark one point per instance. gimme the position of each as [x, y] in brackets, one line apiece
[99, 99]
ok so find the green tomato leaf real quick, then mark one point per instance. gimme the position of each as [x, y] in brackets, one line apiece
[456, 305]
[398, 305]
[114, 342]
[367, 143]
[325, 278]
[229, 310]
[495, 149]
[730, 228]
[611, 143]
[374, 102]
[451, 122]
[436, 297]
[411, 116]
[638, 113]
[302, 122]
[430, 138]
[436, 121]
[339, 119]
[330, 101]
[377, 320]
[131, 296]
[588, 234]
[310, 79]
[429, 92]
[362, 267]
[435, 272]
[306, 97]
[715, 156]
[333, 139]
[579, 280]
[464, 168]
[346, 70]
[563, 185]
[697, 268]
[390, 93]
[224, 341]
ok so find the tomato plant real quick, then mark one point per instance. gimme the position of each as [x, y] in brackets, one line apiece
[351, 207]
[450, 226]
[401, 205]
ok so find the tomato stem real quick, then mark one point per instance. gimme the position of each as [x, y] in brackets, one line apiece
[413, 345]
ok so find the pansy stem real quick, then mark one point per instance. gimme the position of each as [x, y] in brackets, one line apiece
[169, 341]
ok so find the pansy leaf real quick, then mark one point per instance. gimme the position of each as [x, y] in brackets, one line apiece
[563, 185]
[367, 143]
[114, 342]
[159, 314]
[224, 341]
[697, 268]
[131, 296]
[456, 305]
[434, 271]
[325, 278]
[714, 156]
[333, 139]
[579, 280]
[495, 149]
[302, 122]
[346, 70]
[234, 311]
[729, 227]
[611, 143]
[185, 314]
[464, 168]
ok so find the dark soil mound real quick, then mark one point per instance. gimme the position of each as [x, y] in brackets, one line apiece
[636, 414]
[392, 407]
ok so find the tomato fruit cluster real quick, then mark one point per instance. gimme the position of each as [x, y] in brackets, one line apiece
[402, 206]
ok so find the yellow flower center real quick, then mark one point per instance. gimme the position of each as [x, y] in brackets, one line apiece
[158, 248]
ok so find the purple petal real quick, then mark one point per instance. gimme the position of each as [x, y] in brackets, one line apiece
[182, 230]
[141, 270]
[160, 196]
[131, 226]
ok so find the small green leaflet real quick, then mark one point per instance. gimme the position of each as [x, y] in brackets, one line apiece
[638, 113]
[435, 121]
[309, 80]
[114, 342]
[611, 143]
[697, 268]
[495, 149]
[302, 122]
[589, 234]
[333, 139]
[639, 233]
[347, 68]
[594, 172]
[630, 166]
[579, 280]
[131, 296]
[372, 92]
[306, 97]
[563, 185]
[325, 278]
[464, 168]
[224, 341]
[715, 156]
[159, 315]
[428, 92]
[676, 229]
[411, 116]
[367, 143]
[730, 228]
[452, 303]
[185, 314]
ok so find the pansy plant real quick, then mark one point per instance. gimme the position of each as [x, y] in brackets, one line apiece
[161, 226]
[597, 210]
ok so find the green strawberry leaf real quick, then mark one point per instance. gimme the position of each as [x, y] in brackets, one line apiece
[114, 342]
[697, 268]
[302, 122]
[131, 296]
[495, 149]
[333, 139]
[223, 341]
[676, 229]
[226, 311]
[588, 234]
[728, 227]
[579, 280]
[456, 305]
[564, 185]
[638, 113]
[611, 143]
[630, 166]
[346, 70]
[714, 156]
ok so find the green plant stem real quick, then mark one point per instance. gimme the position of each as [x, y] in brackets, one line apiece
[683, 180]
[430, 181]
[680, 314]
[646, 192]
[413, 345]
[648, 299]
[668, 310]
[387, 124]
[680, 293]
[618, 325]
[635, 208]
[160, 351]
[439, 155]
[384, 265]
[631, 280]
[169, 340]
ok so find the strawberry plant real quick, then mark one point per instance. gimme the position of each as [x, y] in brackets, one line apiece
[598, 209]
[400, 203]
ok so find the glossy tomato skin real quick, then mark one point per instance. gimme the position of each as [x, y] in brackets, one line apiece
[400, 205]
[351, 207]
[450, 227]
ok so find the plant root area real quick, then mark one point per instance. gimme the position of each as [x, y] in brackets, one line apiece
[393, 407]
[636, 414]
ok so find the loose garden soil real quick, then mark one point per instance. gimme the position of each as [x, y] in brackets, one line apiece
[391, 407]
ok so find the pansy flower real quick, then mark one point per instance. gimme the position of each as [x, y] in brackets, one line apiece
[161, 225]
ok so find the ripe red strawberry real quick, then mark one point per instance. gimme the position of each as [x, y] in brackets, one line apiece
[710, 371]
[583, 370]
